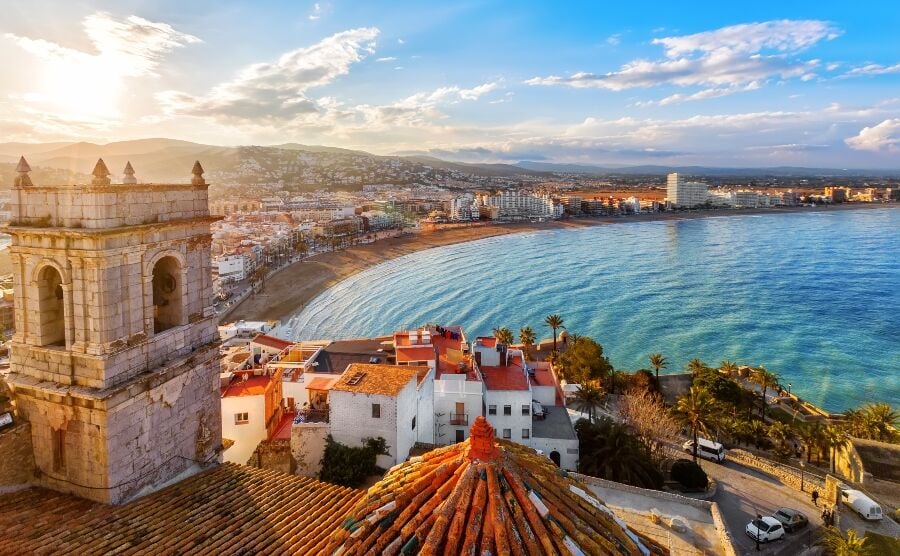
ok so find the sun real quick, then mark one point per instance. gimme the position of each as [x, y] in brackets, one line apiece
[82, 90]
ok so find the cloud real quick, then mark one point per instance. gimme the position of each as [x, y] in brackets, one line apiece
[130, 47]
[614, 40]
[316, 12]
[275, 91]
[420, 109]
[386, 59]
[725, 60]
[874, 69]
[882, 137]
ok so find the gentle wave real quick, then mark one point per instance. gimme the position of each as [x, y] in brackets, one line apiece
[812, 298]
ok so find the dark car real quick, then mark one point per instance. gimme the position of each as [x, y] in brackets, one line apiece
[791, 519]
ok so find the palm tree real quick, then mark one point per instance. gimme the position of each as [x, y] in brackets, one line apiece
[881, 421]
[698, 410]
[810, 434]
[835, 438]
[728, 367]
[611, 451]
[764, 378]
[527, 338]
[835, 544]
[657, 361]
[696, 366]
[555, 322]
[587, 398]
[504, 336]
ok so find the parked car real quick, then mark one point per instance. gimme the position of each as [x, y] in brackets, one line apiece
[862, 504]
[765, 529]
[790, 519]
[707, 449]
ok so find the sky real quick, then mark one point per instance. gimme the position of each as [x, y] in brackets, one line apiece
[743, 84]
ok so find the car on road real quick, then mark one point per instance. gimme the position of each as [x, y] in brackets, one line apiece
[862, 504]
[706, 449]
[765, 529]
[790, 519]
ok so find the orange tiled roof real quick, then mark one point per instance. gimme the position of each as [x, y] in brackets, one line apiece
[486, 496]
[231, 509]
[253, 386]
[504, 378]
[387, 380]
[415, 353]
[321, 383]
[271, 341]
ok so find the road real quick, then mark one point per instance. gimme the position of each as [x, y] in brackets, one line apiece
[743, 493]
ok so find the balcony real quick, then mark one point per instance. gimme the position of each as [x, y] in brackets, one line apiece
[311, 416]
[459, 418]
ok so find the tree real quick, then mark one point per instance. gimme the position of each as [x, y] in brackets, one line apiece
[689, 474]
[555, 322]
[764, 378]
[881, 422]
[348, 466]
[695, 366]
[609, 450]
[584, 362]
[811, 435]
[527, 339]
[836, 544]
[504, 336]
[649, 419]
[835, 438]
[728, 367]
[588, 398]
[781, 435]
[698, 410]
[657, 361]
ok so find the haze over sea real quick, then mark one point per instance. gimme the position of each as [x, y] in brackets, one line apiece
[812, 296]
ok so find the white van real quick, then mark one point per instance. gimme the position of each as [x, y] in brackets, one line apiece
[707, 449]
[862, 504]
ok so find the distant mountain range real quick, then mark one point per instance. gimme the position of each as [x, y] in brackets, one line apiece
[775, 171]
[310, 166]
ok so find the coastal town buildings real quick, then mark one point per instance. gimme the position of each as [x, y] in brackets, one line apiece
[685, 194]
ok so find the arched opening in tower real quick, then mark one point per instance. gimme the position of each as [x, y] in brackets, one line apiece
[51, 308]
[167, 294]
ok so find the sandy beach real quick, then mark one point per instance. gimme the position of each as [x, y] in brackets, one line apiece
[295, 286]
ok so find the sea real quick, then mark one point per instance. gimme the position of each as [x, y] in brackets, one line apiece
[813, 296]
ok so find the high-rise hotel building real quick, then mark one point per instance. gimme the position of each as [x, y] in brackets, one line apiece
[685, 194]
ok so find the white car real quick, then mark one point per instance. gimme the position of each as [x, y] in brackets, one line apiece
[765, 529]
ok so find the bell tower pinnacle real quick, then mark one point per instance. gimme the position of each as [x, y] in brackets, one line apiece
[114, 360]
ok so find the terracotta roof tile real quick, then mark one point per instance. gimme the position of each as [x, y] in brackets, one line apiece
[484, 495]
[271, 341]
[504, 378]
[387, 380]
[231, 509]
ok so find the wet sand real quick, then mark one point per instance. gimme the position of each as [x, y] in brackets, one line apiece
[294, 287]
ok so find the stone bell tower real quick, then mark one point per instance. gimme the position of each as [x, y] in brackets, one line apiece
[114, 359]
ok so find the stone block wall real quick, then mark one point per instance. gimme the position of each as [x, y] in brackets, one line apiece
[16, 459]
[308, 447]
[787, 475]
[108, 206]
[273, 454]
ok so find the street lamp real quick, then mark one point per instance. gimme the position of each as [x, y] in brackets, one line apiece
[789, 388]
[802, 465]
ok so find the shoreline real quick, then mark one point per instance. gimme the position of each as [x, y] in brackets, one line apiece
[294, 287]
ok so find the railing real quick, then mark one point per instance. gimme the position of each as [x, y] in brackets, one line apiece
[311, 416]
[459, 418]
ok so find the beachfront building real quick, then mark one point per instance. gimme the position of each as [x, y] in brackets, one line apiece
[685, 194]
[463, 208]
[518, 205]
[231, 268]
[370, 401]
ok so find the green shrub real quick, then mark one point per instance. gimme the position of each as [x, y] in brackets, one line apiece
[689, 474]
[348, 466]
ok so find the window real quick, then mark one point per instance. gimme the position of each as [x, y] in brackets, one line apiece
[526, 433]
[526, 409]
[376, 411]
[51, 317]
[241, 418]
[507, 410]
[414, 423]
[492, 410]
[59, 449]
[166, 294]
[507, 433]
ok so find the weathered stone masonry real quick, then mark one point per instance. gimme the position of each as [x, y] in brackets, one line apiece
[114, 360]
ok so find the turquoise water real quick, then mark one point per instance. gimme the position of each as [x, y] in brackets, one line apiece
[813, 296]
